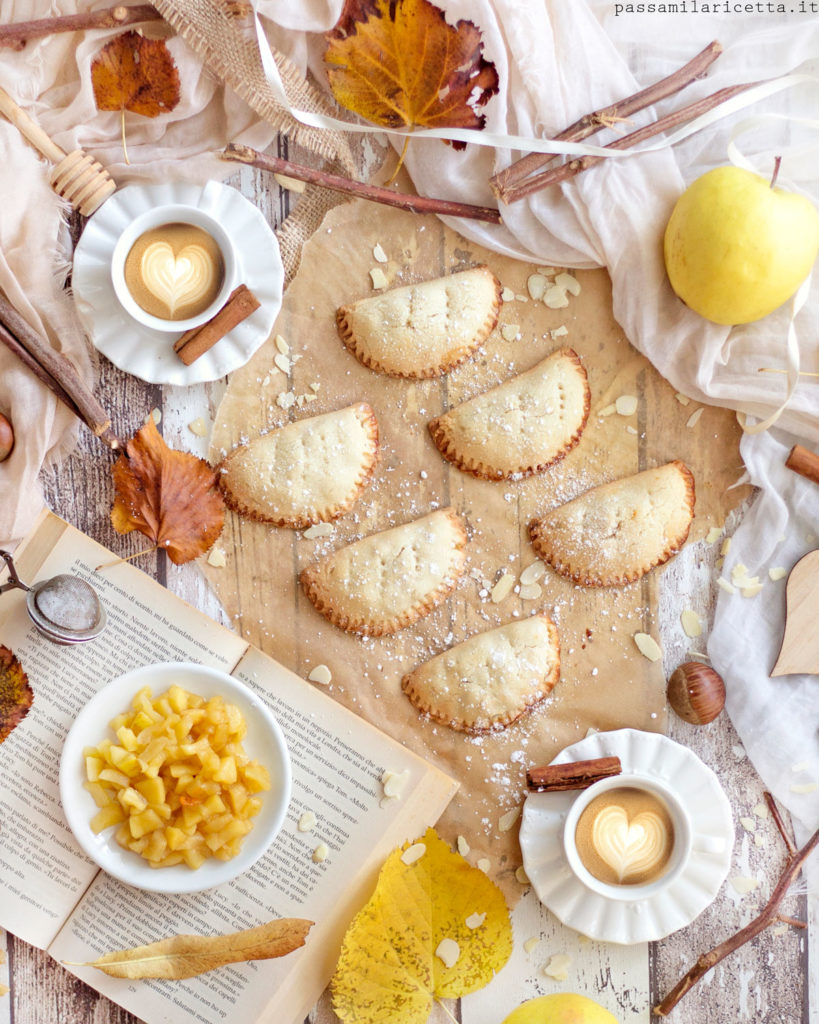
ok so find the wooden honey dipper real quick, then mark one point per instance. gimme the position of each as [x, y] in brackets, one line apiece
[75, 176]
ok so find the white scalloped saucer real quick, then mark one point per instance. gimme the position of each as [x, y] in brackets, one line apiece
[147, 353]
[698, 789]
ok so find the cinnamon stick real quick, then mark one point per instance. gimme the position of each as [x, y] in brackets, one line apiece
[375, 193]
[556, 778]
[505, 182]
[768, 915]
[803, 461]
[57, 373]
[572, 167]
[17, 35]
[198, 340]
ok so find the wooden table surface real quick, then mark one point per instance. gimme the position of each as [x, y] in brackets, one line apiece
[767, 980]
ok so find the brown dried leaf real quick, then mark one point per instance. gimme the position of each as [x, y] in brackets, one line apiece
[399, 64]
[16, 696]
[169, 496]
[184, 956]
[137, 74]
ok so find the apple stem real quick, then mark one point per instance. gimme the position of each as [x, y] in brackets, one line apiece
[775, 175]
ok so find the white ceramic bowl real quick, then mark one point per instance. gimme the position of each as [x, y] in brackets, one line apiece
[264, 741]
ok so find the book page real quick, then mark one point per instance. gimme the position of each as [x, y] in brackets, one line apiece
[43, 871]
[338, 810]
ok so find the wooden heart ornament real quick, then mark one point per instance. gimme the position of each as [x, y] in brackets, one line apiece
[800, 644]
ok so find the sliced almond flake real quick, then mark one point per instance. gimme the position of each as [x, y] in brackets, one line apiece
[682, 399]
[522, 298]
[286, 399]
[484, 865]
[743, 884]
[778, 572]
[748, 824]
[307, 822]
[378, 278]
[315, 386]
[300, 400]
[530, 592]
[558, 967]
[216, 558]
[318, 530]
[198, 427]
[536, 285]
[726, 546]
[630, 429]
[508, 820]
[266, 380]
[463, 846]
[503, 588]
[692, 627]
[759, 839]
[154, 415]
[448, 952]
[510, 332]
[694, 418]
[800, 766]
[291, 184]
[395, 783]
[719, 562]
[309, 398]
[559, 332]
[282, 345]
[530, 943]
[805, 787]
[533, 572]
[569, 282]
[521, 876]
[508, 294]
[547, 271]
[321, 674]
[282, 362]
[726, 586]
[697, 656]
[475, 920]
[762, 810]
[739, 572]
[648, 646]
[413, 853]
[608, 410]
[555, 298]
[713, 535]
[626, 405]
[752, 590]
[378, 254]
[321, 853]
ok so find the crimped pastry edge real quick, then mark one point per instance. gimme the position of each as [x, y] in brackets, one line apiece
[458, 355]
[446, 445]
[499, 724]
[629, 576]
[315, 591]
[367, 418]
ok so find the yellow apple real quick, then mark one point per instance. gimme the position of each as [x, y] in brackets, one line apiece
[736, 248]
[562, 1008]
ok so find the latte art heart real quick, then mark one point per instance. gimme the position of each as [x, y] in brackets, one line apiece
[177, 280]
[630, 847]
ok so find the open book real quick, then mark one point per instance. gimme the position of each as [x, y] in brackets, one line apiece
[53, 897]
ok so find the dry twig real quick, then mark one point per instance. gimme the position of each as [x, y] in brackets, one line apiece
[768, 915]
[17, 35]
[415, 204]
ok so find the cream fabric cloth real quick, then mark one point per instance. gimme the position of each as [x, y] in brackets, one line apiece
[50, 78]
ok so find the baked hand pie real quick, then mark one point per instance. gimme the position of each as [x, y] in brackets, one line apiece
[309, 471]
[422, 330]
[491, 679]
[615, 533]
[521, 426]
[389, 580]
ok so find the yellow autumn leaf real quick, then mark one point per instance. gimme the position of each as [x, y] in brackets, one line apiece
[185, 956]
[435, 928]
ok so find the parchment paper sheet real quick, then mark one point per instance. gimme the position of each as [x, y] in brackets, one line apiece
[605, 682]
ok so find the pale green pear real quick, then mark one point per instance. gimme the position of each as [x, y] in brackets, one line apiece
[561, 1008]
[736, 248]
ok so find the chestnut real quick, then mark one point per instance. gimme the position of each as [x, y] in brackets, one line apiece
[6, 438]
[696, 692]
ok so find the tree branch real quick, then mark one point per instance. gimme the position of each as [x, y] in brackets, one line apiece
[768, 915]
[16, 36]
[505, 182]
[415, 204]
